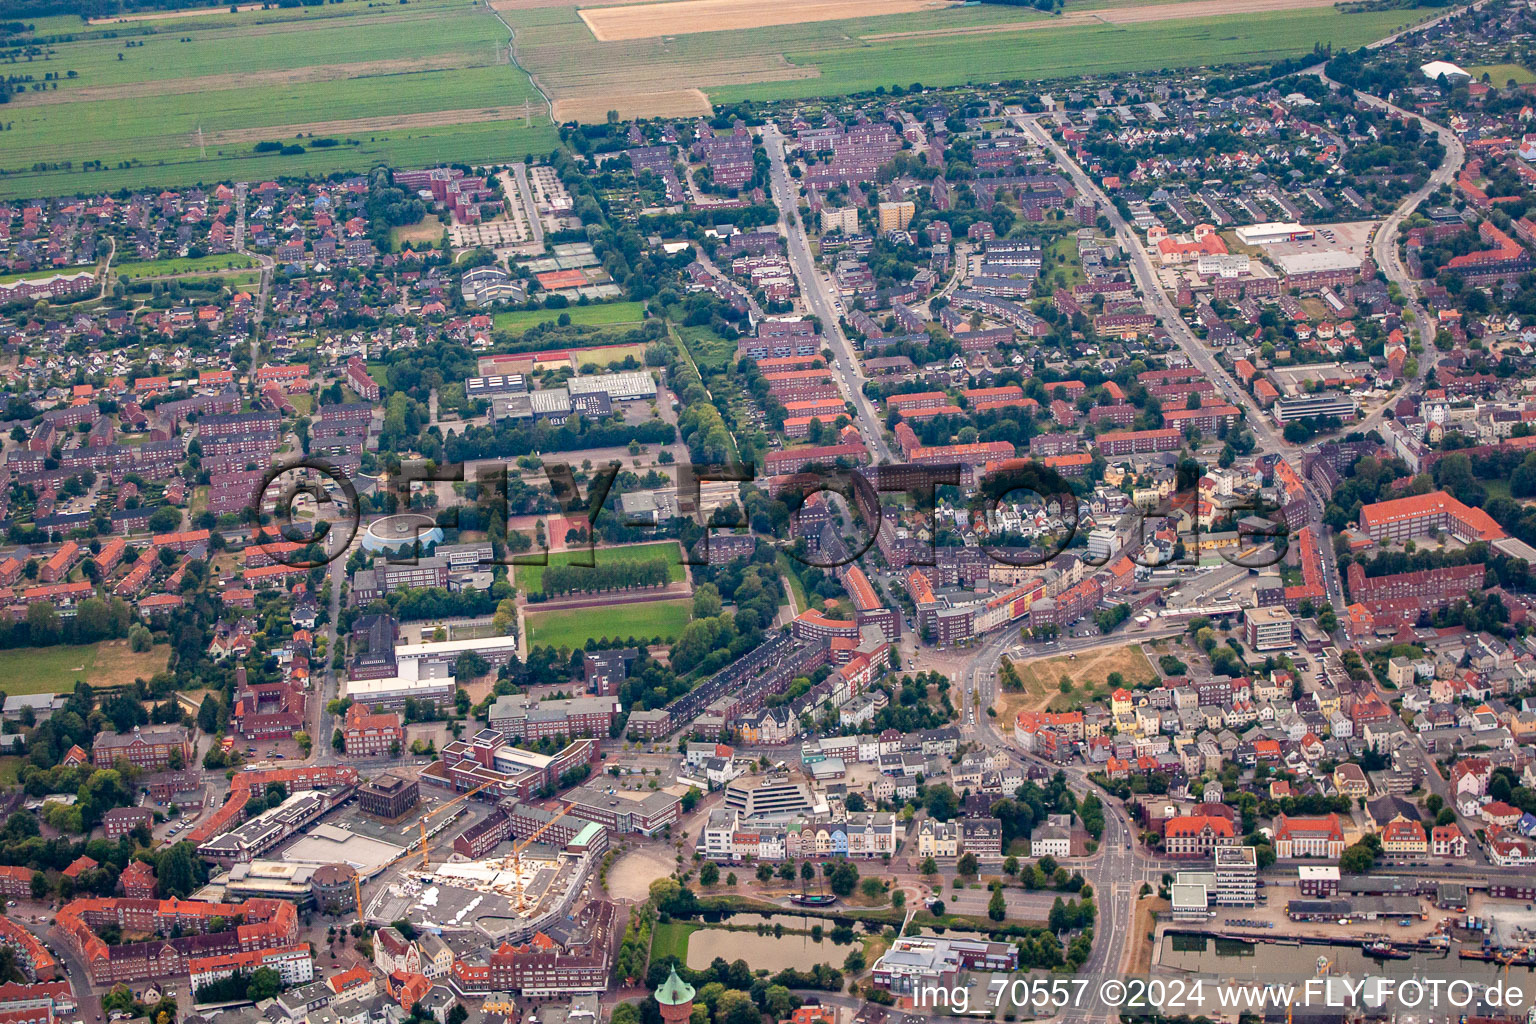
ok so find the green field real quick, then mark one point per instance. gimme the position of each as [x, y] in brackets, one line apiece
[184, 265]
[601, 314]
[530, 578]
[1069, 52]
[954, 46]
[572, 629]
[1500, 75]
[413, 83]
[28, 275]
[671, 939]
[57, 669]
[708, 349]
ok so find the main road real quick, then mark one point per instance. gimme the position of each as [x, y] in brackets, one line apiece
[817, 291]
[1384, 240]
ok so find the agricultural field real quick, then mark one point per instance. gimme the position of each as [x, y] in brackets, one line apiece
[176, 101]
[643, 621]
[603, 314]
[680, 63]
[107, 664]
[530, 578]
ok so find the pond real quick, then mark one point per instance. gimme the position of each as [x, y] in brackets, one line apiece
[768, 952]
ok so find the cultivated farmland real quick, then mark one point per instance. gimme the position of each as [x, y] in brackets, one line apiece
[953, 45]
[177, 101]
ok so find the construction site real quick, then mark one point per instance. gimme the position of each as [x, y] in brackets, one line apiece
[512, 873]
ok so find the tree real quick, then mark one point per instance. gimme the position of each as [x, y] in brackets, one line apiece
[264, 984]
[967, 865]
[1359, 859]
[807, 873]
[780, 1001]
[338, 740]
[929, 866]
[175, 873]
[764, 872]
[208, 714]
[706, 601]
[709, 874]
[997, 907]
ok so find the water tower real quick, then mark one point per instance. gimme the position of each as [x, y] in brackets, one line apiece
[675, 997]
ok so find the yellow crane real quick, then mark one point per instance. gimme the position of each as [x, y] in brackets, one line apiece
[357, 891]
[517, 855]
[422, 821]
[1509, 958]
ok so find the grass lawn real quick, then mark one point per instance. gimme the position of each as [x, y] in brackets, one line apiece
[598, 314]
[184, 265]
[795, 586]
[31, 275]
[9, 766]
[1500, 75]
[57, 669]
[424, 234]
[530, 578]
[665, 619]
[1089, 672]
[671, 939]
[709, 350]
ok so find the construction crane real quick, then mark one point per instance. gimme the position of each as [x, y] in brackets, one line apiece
[440, 809]
[517, 855]
[357, 892]
[1509, 958]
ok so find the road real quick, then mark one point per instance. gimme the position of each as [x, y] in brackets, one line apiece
[817, 291]
[1118, 869]
[267, 264]
[1384, 241]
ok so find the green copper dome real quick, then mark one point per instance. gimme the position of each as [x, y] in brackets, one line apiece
[674, 991]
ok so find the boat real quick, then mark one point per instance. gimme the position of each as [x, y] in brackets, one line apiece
[1385, 951]
[813, 899]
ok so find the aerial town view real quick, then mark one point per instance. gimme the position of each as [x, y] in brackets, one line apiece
[726, 512]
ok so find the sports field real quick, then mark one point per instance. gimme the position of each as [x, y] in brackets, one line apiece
[186, 99]
[530, 578]
[660, 58]
[56, 669]
[1500, 75]
[644, 621]
[604, 314]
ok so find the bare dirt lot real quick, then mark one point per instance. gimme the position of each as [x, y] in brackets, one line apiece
[671, 103]
[679, 17]
[1128, 15]
[631, 875]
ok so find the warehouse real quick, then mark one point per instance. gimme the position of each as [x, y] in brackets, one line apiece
[1272, 231]
[627, 386]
